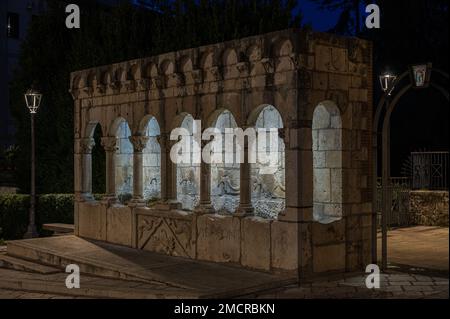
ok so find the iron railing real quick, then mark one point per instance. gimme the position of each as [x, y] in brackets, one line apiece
[430, 170]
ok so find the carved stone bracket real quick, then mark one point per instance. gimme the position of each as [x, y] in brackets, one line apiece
[295, 59]
[88, 90]
[216, 73]
[75, 93]
[243, 68]
[197, 75]
[176, 79]
[268, 65]
[156, 83]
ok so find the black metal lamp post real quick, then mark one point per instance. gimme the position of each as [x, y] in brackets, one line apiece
[387, 82]
[33, 99]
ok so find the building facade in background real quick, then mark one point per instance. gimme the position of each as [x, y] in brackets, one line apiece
[15, 16]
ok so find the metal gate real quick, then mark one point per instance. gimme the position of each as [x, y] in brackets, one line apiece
[398, 194]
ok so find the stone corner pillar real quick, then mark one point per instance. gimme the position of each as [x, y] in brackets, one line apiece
[299, 174]
[139, 144]
[109, 144]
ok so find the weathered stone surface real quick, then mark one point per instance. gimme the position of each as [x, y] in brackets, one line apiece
[284, 253]
[167, 232]
[329, 258]
[219, 238]
[92, 220]
[296, 72]
[255, 243]
[430, 208]
[328, 234]
[118, 230]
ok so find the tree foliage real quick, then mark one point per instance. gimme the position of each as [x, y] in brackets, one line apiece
[411, 31]
[107, 35]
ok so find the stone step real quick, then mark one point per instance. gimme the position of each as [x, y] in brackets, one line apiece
[10, 262]
[90, 287]
[201, 279]
[20, 250]
[59, 228]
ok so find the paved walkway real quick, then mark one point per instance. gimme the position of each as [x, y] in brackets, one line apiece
[185, 278]
[421, 247]
[394, 285]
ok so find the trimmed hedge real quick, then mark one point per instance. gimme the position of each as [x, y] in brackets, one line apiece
[14, 210]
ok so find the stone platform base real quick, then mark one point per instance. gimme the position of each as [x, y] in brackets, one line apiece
[190, 278]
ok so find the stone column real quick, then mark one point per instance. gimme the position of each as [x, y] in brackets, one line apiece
[110, 146]
[245, 202]
[87, 144]
[168, 177]
[78, 169]
[139, 144]
[205, 206]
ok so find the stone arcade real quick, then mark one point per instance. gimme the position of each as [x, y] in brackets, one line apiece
[312, 216]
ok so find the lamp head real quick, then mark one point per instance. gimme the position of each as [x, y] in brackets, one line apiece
[33, 99]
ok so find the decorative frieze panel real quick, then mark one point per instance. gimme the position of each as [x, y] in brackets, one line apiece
[167, 235]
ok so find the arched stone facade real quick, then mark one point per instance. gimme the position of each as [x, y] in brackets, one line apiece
[291, 71]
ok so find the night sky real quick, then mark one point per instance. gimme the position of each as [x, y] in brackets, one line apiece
[321, 20]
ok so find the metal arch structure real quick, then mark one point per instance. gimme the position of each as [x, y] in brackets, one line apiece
[383, 113]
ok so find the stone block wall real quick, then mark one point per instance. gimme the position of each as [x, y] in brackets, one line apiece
[251, 242]
[295, 71]
[429, 208]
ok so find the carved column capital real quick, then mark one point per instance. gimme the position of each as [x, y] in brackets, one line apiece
[101, 88]
[109, 143]
[165, 141]
[156, 83]
[86, 145]
[139, 142]
[130, 85]
[142, 84]
[115, 86]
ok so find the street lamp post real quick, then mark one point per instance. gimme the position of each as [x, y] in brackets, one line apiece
[33, 100]
[387, 82]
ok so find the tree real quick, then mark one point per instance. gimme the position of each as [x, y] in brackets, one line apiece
[350, 20]
[107, 35]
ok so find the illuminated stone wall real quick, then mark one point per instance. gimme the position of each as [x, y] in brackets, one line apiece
[312, 215]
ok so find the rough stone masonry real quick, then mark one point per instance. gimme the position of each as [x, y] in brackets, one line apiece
[325, 225]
